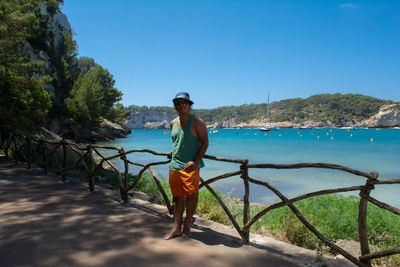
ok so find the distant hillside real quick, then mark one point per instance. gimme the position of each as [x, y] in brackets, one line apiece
[336, 108]
[323, 109]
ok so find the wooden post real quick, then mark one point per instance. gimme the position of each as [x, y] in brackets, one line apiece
[6, 137]
[44, 157]
[362, 217]
[64, 167]
[225, 208]
[15, 152]
[28, 141]
[91, 168]
[124, 189]
[246, 205]
[161, 189]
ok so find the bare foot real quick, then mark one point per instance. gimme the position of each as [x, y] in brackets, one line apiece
[186, 232]
[174, 233]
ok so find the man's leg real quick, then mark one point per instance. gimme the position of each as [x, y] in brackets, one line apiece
[179, 206]
[191, 205]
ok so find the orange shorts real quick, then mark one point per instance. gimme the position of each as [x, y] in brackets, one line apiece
[184, 183]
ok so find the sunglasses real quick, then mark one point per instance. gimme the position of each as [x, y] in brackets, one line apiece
[177, 103]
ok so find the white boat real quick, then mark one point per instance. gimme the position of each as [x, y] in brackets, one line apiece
[213, 131]
[268, 128]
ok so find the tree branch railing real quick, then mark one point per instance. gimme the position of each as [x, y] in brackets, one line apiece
[91, 160]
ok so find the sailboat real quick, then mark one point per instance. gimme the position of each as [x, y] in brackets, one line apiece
[267, 128]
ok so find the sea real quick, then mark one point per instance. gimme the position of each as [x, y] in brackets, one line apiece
[365, 150]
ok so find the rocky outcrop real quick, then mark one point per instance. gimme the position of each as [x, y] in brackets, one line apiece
[58, 25]
[231, 123]
[70, 129]
[109, 130]
[388, 116]
[147, 118]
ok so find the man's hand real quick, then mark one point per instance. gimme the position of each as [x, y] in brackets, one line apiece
[190, 166]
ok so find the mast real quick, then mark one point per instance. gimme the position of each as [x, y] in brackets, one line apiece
[268, 109]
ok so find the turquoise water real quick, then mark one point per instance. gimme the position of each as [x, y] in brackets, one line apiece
[362, 149]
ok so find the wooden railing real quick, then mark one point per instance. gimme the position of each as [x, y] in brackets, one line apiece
[21, 148]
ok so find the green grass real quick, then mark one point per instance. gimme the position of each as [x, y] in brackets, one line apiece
[146, 184]
[336, 217]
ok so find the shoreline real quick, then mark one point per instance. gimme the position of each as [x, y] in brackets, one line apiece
[280, 128]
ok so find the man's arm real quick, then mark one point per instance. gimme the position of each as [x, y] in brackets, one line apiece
[201, 132]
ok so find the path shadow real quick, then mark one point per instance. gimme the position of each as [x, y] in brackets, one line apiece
[206, 235]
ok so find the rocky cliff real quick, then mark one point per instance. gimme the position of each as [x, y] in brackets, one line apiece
[72, 130]
[57, 25]
[144, 118]
[387, 117]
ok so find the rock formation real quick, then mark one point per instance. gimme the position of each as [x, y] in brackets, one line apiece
[58, 25]
[70, 129]
[145, 118]
[387, 117]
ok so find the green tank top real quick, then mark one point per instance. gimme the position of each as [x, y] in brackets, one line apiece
[184, 146]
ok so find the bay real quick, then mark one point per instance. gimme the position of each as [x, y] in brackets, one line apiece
[361, 149]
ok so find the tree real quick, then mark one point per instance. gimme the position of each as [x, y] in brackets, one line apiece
[22, 90]
[86, 64]
[119, 114]
[67, 68]
[93, 98]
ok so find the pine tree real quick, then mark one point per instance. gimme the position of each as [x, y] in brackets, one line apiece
[93, 98]
[22, 90]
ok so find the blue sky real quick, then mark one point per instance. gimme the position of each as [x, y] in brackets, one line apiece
[236, 52]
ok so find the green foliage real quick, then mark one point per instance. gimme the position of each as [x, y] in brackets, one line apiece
[209, 208]
[85, 104]
[336, 108]
[146, 184]
[93, 97]
[119, 114]
[66, 63]
[82, 88]
[86, 64]
[22, 90]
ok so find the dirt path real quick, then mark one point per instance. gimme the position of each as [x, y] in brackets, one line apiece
[44, 222]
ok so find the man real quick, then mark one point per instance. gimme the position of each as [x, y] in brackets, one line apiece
[190, 143]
